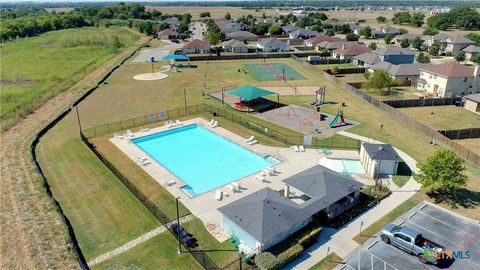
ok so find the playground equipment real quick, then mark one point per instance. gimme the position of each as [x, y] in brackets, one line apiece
[319, 96]
[288, 111]
[317, 113]
[338, 120]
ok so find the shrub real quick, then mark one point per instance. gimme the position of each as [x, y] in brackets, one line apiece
[289, 255]
[309, 238]
[266, 261]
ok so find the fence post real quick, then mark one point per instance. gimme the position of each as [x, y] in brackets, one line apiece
[95, 131]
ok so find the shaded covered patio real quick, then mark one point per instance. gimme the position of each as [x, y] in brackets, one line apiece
[248, 98]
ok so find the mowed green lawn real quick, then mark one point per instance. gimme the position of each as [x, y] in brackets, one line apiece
[444, 117]
[98, 214]
[38, 68]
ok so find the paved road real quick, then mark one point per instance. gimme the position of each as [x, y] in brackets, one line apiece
[197, 29]
[158, 53]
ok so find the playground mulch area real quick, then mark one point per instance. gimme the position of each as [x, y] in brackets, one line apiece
[273, 72]
[304, 120]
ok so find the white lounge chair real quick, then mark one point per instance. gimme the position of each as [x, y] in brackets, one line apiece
[144, 129]
[118, 136]
[130, 133]
[267, 171]
[231, 188]
[301, 148]
[169, 124]
[215, 124]
[211, 122]
[178, 123]
[169, 183]
[295, 148]
[260, 177]
[218, 195]
[271, 170]
[236, 186]
[253, 142]
[250, 139]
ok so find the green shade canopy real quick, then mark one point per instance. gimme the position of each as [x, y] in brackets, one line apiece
[249, 92]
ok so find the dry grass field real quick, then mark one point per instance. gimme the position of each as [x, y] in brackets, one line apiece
[215, 12]
[444, 117]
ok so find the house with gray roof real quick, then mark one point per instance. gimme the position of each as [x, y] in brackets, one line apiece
[242, 36]
[229, 26]
[390, 53]
[295, 32]
[272, 45]
[470, 51]
[235, 46]
[267, 217]
[402, 72]
[379, 159]
[472, 102]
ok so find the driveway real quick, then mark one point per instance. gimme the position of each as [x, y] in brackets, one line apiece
[197, 29]
[157, 53]
[449, 230]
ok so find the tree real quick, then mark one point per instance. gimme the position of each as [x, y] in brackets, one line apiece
[417, 19]
[474, 37]
[405, 43]
[366, 31]
[387, 39]
[442, 172]
[434, 49]
[422, 58]
[205, 14]
[351, 37]
[417, 43]
[476, 58]
[330, 32]
[402, 31]
[379, 80]
[373, 46]
[213, 37]
[460, 56]
[401, 17]
[275, 29]
[228, 16]
[430, 32]
[381, 19]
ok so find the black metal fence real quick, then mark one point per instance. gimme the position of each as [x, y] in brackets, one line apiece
[235, 117]
[202, 258]
[423, 102]
[458, 134]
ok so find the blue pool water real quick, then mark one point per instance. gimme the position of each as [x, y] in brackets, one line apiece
[343, 165]
[202, 159]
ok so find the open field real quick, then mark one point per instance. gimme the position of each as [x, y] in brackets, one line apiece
[38, 68]
[444, 117]
[126, 98]
[215, 12]
[472, 144]
[397, 92]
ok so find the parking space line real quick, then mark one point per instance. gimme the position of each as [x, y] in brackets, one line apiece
[455, 228]
[400, 253]
[384, 262]
[423, 228]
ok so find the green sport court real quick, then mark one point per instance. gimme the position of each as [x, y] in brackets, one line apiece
[273, 72]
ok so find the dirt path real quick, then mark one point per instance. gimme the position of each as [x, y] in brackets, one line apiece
[32, 235]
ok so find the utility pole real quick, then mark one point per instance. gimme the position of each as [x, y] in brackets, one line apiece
[185, 99]
[377, 182]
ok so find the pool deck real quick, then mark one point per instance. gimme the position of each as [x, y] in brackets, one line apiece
[204, 206]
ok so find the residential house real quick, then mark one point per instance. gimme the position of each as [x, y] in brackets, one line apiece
[228, 26]
[449, 80]
[402, 72]
[295, 32]
[449, 43]
[334, 45]
[347, 53]
[391, 53]
[472, 102]
[410, 37]
[272, 45]
[242, 36]
[312, 42]
[173, 23]
[470, 51]
[439, 38]
[235, 46]
[196, 46]
[167, 34]
[355, 28]
[379, 159]
[383, 31]
[266, 217]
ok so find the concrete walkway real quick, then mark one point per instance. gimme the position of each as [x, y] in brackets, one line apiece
[137, 241]
[341, 241]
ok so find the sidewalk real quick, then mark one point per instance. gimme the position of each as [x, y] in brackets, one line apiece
[341, 241]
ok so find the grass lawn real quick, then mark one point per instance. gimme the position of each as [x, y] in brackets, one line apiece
[328, 262]
[38, 68]
[444, 117]
[403, 174]
[159, 252]
[404, 92]
[373, 229]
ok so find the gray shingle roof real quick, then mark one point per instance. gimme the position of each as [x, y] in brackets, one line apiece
[386, 153]
[473, 97]
[267, 213]
[393, 50]
[242, 35]
[368, 57]
[272, 42]
[234, 44]
[400, 70]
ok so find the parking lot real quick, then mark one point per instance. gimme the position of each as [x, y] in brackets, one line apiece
[453, 232]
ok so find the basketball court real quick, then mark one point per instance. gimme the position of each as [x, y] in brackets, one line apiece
[273, 72]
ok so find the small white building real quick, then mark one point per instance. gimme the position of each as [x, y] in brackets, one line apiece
[272, 45]
[378, 159]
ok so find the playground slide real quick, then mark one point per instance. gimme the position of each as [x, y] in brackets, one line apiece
[334, 121]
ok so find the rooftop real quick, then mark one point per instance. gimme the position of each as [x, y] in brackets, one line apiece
[473, 97]
[368, 57]
[197, 44]
[450, 69]
[393, 50]
[402, 69]
[241, 35]
[271, 42]
[381, 151]
[234, 44]
[169, 32]
[355, 49]
[472, 49]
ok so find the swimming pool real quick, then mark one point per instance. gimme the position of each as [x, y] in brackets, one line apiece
[202, 159]
[343, 165]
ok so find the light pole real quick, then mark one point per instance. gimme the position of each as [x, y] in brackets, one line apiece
[78, 119]
[283, 76]
[185, 99]
[179, 251]
[361, 224]
[377, 185]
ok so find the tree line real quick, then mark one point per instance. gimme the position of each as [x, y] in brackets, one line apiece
[30, 22]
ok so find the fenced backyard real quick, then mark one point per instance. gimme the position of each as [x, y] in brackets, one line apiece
[433, 134]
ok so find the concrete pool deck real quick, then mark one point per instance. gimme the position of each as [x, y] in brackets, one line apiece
[204, 206]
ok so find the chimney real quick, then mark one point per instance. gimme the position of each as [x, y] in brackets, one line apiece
[343, 46]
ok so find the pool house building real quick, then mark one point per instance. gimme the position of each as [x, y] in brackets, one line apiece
[267, 217]
[379, 159]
